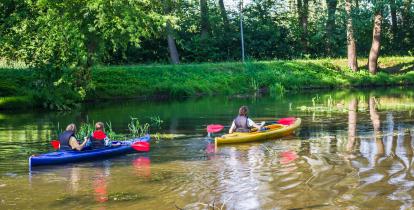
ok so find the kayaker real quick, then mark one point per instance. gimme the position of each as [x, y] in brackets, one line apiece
[98, 138]
[242, 123]
[68, 140]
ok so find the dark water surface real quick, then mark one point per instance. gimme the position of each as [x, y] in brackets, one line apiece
[354, 150]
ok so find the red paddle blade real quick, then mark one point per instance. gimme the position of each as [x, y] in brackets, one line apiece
[214, 128]
[55, 144]
[286, 121]
[141, 146]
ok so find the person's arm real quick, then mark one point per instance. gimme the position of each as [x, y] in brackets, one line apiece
[75, 145]
[232, 127]
[253, 124]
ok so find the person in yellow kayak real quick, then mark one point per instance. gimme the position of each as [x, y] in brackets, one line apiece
[68, 141]
[242, 123]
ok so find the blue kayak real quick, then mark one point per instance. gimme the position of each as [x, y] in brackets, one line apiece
[61, 157]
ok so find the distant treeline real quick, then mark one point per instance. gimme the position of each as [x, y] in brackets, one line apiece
[120, 32]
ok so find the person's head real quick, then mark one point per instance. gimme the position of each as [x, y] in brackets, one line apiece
[71, 127]
[99, 126]
[243, 111]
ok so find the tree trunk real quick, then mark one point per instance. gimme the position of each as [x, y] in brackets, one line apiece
[406, 21]
[394, 27]
[172, 48]
[330, 24]
[352, 120]
[224, 16]
[406, 13]
[205, 26]
[303, 13]
[376, 44]
[352, 55]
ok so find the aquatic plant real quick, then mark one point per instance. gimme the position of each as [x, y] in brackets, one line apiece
[85, 129]
[156, 120]
[111, 133]
[136, 128]
[277, 89]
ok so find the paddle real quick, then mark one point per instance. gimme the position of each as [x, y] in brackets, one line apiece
[284, 121]
[214, 128]
[55, 144]
[141, 146]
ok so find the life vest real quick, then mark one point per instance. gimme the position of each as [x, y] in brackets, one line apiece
[64, 140]
[97, 139]
[241, 124]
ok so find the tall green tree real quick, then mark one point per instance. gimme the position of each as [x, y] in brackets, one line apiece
[376, 37]
[172, 47]
[303, 15]
[394, 24]
[204, 19]
[330, 24]
[351, 46]
[223, 13]
[64, 39]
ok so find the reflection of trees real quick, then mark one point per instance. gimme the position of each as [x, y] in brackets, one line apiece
[385, 165]
[375, 118]
[352, 120]
[374, 114]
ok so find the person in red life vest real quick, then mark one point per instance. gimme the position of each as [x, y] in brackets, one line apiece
[242, 123]
[68, 141]
[98, 137]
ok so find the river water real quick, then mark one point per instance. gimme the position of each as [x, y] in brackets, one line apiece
[354, 150]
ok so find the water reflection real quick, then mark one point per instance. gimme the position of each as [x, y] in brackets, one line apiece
[357, 154]
[142, 166]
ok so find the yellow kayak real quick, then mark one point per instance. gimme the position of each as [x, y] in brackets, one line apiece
[273, 131]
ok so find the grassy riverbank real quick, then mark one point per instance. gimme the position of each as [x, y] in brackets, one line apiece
[137, 81]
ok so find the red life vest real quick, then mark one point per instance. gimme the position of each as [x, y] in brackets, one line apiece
[98, 135]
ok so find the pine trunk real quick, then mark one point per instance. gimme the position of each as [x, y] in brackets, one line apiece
[330, 24]
[351, 45]
[224, 16]
[394, 26]
[303, 13]
[376, 44]
[205, 27]
[172, 48]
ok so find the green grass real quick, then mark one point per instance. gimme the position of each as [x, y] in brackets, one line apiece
[226, 78]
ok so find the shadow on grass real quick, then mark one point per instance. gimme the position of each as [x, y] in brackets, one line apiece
[400, 68]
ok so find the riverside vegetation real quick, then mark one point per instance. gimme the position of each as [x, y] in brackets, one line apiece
[138, 81]
[71, 58]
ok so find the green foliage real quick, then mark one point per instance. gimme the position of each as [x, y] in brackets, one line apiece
[61, 40]
[16, 102]
[85, 130]
[214, 78]
[137, 129]
[277, 89]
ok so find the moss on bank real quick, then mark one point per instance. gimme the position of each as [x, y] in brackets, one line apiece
[221, 78]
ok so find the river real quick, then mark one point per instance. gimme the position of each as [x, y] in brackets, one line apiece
[354, 150]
